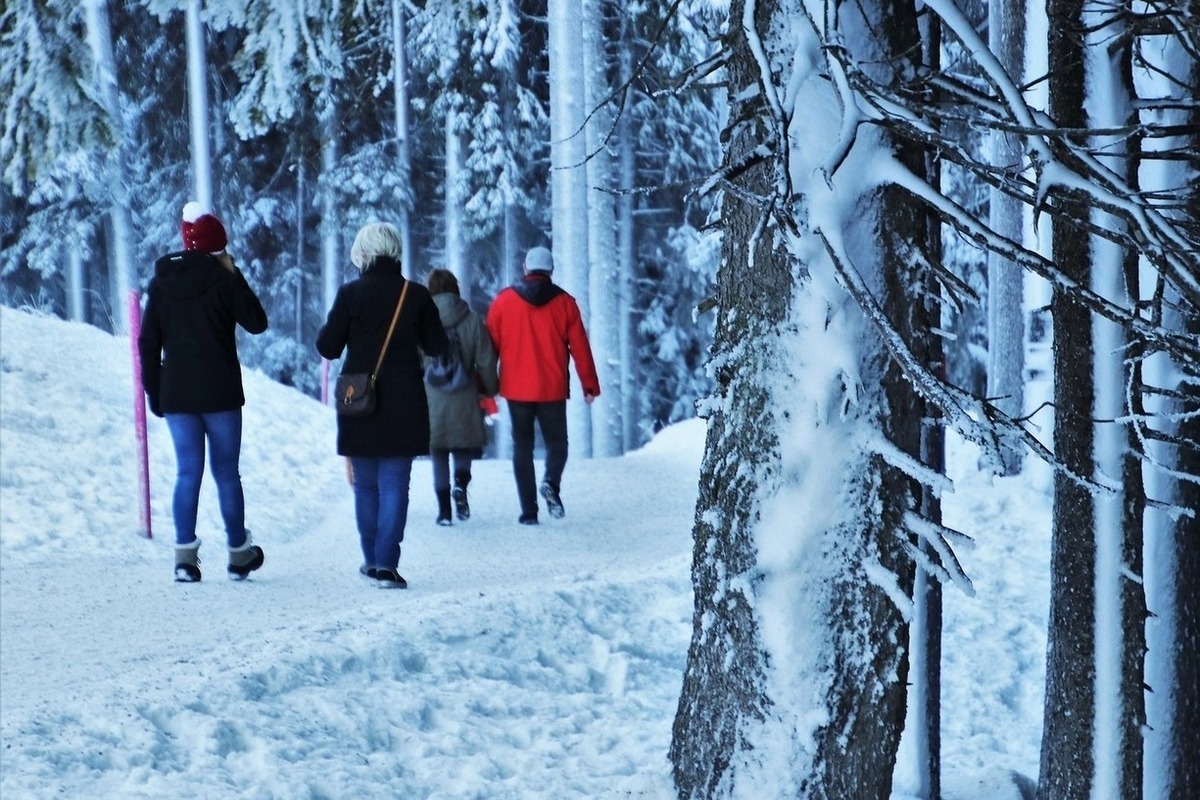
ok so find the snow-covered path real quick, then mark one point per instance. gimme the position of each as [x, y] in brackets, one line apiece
[523, 663]
[307, 680]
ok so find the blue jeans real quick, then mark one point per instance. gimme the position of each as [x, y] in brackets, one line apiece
[552, 419]
[381, 507]
[223, 430]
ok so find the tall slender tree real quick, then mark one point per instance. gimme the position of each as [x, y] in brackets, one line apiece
[832, 685]
[1007, 27]
[568, 183]
[604, 286]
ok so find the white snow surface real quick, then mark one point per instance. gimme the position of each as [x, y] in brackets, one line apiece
[523, 662]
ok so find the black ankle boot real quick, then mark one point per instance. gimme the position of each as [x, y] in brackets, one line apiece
[443, 498]
[461, 507]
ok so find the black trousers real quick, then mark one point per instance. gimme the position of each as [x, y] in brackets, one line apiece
[551, 419]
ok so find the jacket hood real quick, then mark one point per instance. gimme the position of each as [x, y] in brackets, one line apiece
[188, 273]
[451, 308]
[537, 289]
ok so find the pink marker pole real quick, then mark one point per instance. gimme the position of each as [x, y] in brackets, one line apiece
[139, 412]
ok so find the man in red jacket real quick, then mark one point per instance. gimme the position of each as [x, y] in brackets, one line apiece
[536, 326]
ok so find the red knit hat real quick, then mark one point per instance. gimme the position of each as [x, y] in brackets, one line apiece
[202, 231]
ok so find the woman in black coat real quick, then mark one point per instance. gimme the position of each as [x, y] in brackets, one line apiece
[381, 446]
[192, 376]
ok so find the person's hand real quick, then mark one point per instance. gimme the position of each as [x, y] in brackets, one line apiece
[349, 472]
[589, 398]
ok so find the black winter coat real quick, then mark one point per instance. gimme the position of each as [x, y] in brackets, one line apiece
[187, 345]
[358, 323]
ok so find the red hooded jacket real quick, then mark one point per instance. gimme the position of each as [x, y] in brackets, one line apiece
[536, 326]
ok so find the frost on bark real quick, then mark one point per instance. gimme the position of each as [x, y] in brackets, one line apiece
[745, 719]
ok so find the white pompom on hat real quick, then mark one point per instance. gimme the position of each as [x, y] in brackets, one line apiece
[201, 230]
[539, 259]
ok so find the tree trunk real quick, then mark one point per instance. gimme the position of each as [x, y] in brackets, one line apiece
[834, 691]
[1184, 691]
[626, 243]
[1068, 741]
[1006, 280]
[453, 211]
[603, 285]
[1121, 598]
[403, 152]
[120, 219]
[198, 105]
[331, 220]
[568, 185]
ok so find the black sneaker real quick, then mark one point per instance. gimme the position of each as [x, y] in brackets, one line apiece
[389, 579]
[528, 519]
[367, 572]
[461, 508]
[553, 501]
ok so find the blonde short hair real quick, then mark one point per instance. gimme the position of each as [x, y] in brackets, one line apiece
[374, 240]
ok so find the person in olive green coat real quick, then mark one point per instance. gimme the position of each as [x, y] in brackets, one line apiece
[456, 427]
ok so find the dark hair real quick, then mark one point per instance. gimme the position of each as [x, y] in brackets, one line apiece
[441, 281]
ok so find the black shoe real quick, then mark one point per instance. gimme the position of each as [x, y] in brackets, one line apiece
[187, 573]
[389, 579]
[553, 501]
[528, 519]
[367, 572]
[461, 508]
[243, 562]
[445, 522]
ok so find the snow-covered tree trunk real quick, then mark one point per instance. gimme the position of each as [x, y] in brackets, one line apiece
[332, 257]
[120, 219]
[76, 302]
[198, 106]
[1120, 597]
[453, 210]
[403, 152]
[1005, 306]
[795, 680]
[1068, 739]
[627, 355]
[568, 185]
[603, 276]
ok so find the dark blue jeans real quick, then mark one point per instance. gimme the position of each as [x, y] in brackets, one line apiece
[551, 418]
[381, 507]
[223, 431]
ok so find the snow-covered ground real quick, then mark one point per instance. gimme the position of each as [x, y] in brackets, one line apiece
[523, 662]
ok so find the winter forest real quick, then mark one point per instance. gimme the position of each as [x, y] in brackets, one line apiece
[840, 232]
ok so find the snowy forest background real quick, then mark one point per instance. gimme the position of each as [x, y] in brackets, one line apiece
[833, 229]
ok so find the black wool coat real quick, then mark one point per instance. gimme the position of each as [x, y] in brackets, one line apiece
[187, 344]
[358, 323]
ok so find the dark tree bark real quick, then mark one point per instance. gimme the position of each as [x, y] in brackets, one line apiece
[726, 701]
[1067, 763]
[723, 682]
[1184, 691]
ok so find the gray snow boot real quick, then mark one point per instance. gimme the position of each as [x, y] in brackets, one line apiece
[187, 562]
[244, 560]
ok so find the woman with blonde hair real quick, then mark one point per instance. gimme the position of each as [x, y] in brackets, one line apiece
[381, 446]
